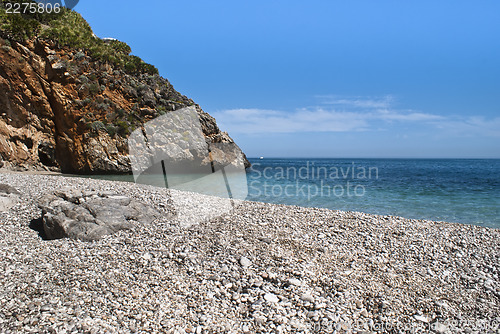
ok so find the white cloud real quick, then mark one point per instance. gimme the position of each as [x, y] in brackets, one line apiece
[339, 114]
[302, 120]
[335, 115]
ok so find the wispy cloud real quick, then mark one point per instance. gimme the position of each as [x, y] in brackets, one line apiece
[357, 101]
[301, 120]
[334, 114]
[470, 126]
[391, 115]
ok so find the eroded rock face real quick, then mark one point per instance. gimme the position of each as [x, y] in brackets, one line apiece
[64, 111]
[87, 216]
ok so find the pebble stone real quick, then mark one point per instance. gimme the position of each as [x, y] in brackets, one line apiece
[245, 262]
[271, 298]
[324, 271]
[307, 298]
[294, 281]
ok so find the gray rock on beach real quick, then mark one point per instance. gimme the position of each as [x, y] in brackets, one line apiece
[89, 216]
[8, 197]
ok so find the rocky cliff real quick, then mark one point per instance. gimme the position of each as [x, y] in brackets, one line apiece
[72, 109]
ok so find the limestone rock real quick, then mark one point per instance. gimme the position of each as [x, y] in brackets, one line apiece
[89, 216]
[8, 197]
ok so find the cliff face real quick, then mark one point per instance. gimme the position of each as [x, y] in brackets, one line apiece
[61, 109]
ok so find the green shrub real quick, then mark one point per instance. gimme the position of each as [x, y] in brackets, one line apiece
[102, 106]
[111, 129]
[161, 110]
[97, 125]
[83, 79]
[20, 27]
[120, 47]
[79, 55]
[123, 128]
[94, 88]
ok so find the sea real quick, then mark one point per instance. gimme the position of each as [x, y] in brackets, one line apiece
[454, 190]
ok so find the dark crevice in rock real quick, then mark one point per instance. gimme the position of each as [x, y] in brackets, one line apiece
[47, 154]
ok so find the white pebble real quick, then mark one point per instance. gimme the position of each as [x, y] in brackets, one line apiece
[272, 298]
[245, 262]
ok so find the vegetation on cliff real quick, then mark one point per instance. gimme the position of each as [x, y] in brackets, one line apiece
[68, 28]
[96, 69]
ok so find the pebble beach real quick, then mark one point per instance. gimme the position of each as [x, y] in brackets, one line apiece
[258, 268]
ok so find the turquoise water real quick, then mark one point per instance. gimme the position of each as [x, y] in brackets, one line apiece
[453, 190]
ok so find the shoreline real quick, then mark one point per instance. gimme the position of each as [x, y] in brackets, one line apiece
[260, 268]
[109, 178]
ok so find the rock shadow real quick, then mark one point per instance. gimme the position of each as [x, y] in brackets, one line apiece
[37, 225]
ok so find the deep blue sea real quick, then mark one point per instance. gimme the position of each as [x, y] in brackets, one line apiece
[454, 190]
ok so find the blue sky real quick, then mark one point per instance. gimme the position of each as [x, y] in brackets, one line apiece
[327, 78]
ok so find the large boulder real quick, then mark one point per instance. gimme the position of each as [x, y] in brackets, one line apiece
[87, 215]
